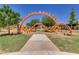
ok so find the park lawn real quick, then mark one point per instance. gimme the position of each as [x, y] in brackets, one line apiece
[65, 43]
[11, 43]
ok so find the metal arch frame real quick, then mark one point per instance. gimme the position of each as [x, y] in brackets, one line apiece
[44, 13]
[39, 24]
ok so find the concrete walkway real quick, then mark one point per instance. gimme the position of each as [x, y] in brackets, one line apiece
[39, 42]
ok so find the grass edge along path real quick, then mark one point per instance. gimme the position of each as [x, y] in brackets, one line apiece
[65, 43]
[12, 43]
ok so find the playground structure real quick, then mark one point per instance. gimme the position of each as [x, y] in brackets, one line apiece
[55, 27]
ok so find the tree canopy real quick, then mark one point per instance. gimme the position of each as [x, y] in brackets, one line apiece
[33, 21]
[8, 17]
[72, 17]
[47, 21]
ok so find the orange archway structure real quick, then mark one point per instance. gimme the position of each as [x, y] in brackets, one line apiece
[38, 24]
[56, 26]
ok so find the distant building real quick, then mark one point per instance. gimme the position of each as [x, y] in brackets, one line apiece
[74, 26]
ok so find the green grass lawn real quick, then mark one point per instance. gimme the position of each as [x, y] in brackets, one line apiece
[65, 43]
[11, 43]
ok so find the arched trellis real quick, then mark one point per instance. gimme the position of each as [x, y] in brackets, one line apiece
[56, 26]
[38, 24]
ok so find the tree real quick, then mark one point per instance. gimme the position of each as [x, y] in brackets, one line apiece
[33, 21]
[2, 24]
[72, 17]
[8, 17]
[47, 21]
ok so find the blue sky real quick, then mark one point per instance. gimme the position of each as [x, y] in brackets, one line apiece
[60, 11]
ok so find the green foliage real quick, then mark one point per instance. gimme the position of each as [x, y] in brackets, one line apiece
[8, 17]
[47, 21]
[33, 21]
[72, 17]
[76, 22]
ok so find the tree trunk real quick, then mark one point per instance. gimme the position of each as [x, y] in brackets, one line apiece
[18, 29]
[0, 29]
[71, 26]
[8, 29]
